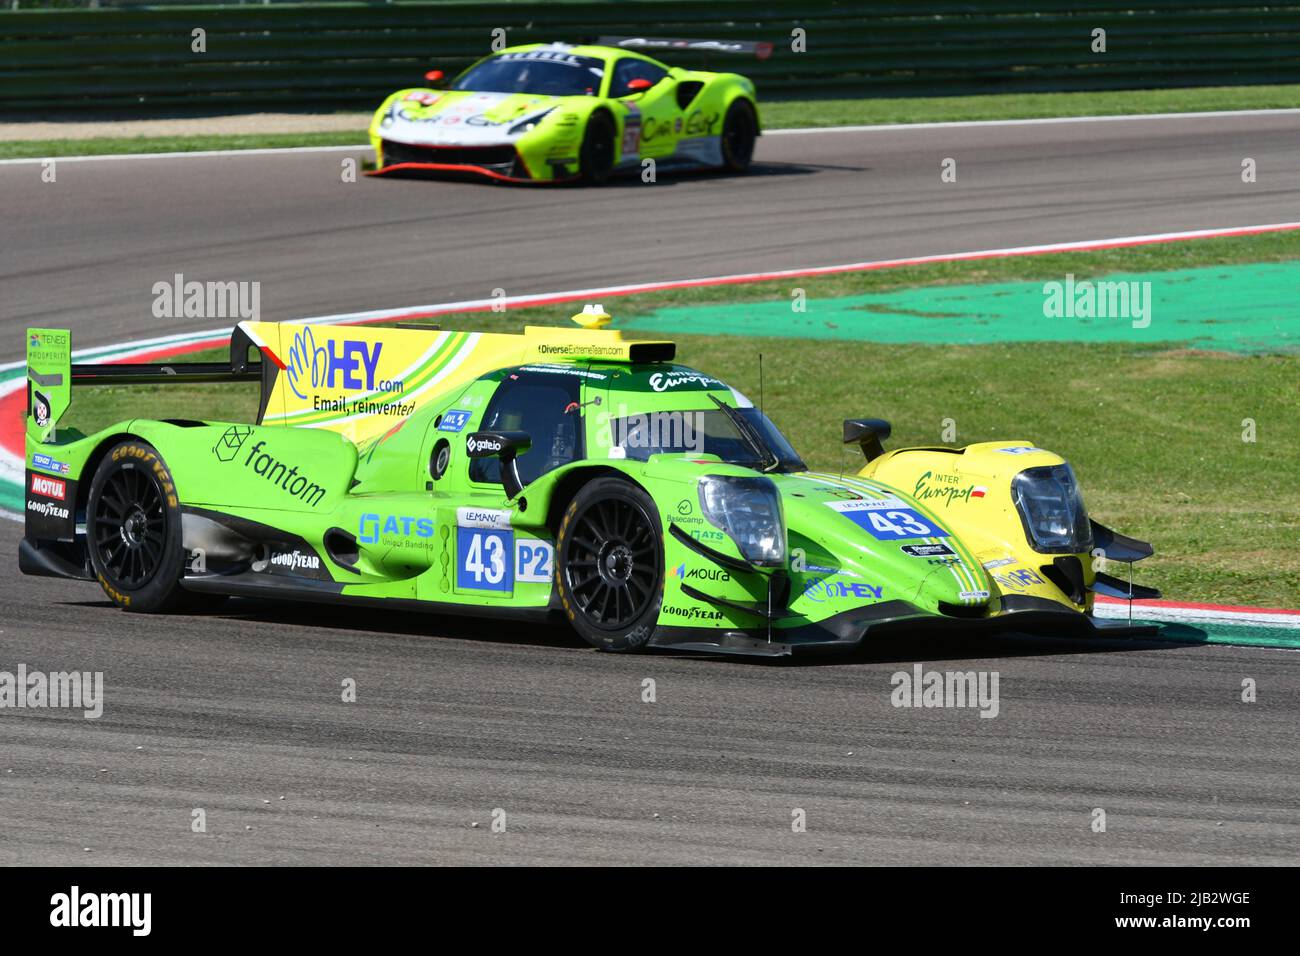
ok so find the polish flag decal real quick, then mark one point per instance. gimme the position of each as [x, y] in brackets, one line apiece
[978, 491]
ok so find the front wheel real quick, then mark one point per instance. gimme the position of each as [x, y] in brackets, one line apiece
[133, 529]
[739, 131]
[596, 159]
[610, 564]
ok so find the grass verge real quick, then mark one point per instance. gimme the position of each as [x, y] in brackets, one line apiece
[1155, 432]
[777, 114]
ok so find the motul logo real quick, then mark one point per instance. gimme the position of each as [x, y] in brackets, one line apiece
[49, 487]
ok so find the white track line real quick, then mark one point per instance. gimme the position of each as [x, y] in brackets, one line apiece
[1038, 121]
[278, 151]
[544, 298]
[882, 127]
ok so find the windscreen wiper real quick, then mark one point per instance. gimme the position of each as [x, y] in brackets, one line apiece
[751, 436]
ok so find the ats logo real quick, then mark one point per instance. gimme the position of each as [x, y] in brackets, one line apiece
[54, 488]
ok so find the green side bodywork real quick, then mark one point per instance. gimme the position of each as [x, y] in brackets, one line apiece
[304, 513]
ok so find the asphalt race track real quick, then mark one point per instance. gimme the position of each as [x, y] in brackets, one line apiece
[85, 250]
[240, 713]
[231, 713]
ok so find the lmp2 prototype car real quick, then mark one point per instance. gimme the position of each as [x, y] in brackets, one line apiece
[568, 473]
[555, 113]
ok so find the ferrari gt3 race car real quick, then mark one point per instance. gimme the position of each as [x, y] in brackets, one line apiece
[556, 112]
[559, 472]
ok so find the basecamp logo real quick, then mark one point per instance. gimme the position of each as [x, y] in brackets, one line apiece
[955, 689]
[1099, 300]
[76, 909]
[49, 487]
[177, 299]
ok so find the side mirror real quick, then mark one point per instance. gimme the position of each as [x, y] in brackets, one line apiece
[506, 446]
[868, 434]
[434, 76]
[639, 85]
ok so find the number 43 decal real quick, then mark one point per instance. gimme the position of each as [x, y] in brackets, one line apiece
[896, 525]
[492, 560]
[485, 559]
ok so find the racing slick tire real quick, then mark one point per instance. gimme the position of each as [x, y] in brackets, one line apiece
[596, 157]
[609, 565]
[739, 131]
[133, 531]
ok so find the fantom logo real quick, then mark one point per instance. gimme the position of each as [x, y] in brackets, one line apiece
[283, 476]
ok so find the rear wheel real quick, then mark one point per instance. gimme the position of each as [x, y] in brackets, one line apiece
[596, 159]
[133, 529]
[739, 131]
[610, 564]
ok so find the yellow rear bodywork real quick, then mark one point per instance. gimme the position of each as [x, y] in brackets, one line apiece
[970, 489]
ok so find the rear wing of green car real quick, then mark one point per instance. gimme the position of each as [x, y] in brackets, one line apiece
[51, 373]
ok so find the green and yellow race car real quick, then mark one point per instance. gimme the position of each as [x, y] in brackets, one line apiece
[557, 113]
[565, 473]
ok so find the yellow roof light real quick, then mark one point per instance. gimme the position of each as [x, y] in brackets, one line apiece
[593, 317]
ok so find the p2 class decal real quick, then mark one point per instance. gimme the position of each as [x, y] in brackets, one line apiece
[485, 560]
[888, 519]
[534, 561]
[51, 507]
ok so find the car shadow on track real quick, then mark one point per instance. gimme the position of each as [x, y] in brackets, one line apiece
[670, 177]
[919, 645]
[364, 620]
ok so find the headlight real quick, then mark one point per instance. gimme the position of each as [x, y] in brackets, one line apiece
[749, 511]
[1052, 510]
[527, 126]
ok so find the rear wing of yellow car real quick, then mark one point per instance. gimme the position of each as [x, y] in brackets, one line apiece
[361, 381]
[357, 380]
